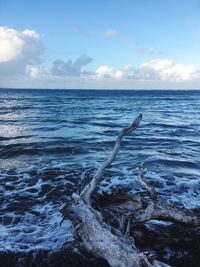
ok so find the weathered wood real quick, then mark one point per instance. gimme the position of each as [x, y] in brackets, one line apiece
[143, 184]
[100, 238]
[161, 209]
[167, 211]
[88, 190]
[142, 210]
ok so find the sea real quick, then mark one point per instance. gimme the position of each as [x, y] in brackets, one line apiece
[49, 137]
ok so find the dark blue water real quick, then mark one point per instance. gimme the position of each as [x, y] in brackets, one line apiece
[47, 137]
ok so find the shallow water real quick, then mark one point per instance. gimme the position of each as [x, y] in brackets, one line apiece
[47, 137]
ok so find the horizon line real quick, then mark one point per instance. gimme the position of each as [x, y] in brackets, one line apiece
[101, 89]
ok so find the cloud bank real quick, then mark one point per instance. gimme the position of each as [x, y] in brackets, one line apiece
[155, 70]
[20, 57]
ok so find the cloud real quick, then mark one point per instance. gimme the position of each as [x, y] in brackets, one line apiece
[167, 70]
[104, 72]
[69, 68]
[109, 72]
[61, 69]
[152, 72]
[15, 45]
[37, 72]
[155, 70]
[110, 33]
[20, 62]
[18, 49]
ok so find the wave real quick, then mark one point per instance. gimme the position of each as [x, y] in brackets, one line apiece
[48, 138]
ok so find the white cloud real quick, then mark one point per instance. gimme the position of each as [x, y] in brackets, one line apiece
[20, 61]
[15, 45]
[109, 72]
[167, 70]
[18, 49]
[160, 70]
[37, 72]
[10, 45]
[104, 72]
[110, 33]
[156, 74]
[196, 75]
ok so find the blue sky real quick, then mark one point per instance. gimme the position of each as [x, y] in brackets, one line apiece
[125, 44]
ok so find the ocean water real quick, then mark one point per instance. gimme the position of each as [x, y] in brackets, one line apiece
[48, 137]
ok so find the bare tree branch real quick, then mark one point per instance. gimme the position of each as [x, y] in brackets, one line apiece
[143, 184]
[97, 237]
[88, 190]
[115, 246]
[167, 211]
[142, 210]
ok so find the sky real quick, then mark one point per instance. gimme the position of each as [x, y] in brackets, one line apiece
[107, 44]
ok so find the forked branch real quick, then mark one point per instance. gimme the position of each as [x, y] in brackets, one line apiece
[117, 247]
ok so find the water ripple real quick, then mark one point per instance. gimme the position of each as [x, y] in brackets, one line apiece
[48, 137]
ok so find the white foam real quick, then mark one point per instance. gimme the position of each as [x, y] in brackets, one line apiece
[32, 233]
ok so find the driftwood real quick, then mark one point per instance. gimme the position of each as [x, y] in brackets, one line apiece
[114, 243]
